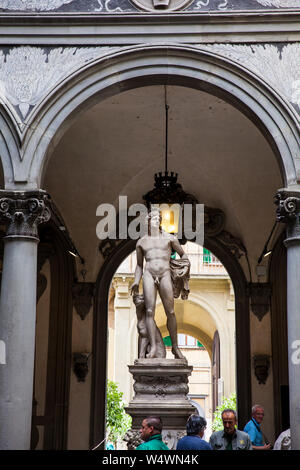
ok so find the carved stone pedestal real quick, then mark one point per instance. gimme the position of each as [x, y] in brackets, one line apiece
[161, 388]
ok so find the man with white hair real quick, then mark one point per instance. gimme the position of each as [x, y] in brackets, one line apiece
[253, 429]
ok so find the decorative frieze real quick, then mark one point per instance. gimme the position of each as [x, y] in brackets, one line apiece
[280, 3]
[28, 74]
[122, 6]
[24, 211]
[33, 5]
[277, 65]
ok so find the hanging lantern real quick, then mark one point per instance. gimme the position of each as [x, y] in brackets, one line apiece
[167, 193]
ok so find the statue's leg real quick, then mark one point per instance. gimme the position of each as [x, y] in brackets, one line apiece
[150, 293]
[167, 298]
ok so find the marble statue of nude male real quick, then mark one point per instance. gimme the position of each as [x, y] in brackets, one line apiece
[155, 248]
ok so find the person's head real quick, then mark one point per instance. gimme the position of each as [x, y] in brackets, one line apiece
[154, 219]
[195, 426]
[229, 421]
[258, 413]
[150, 426]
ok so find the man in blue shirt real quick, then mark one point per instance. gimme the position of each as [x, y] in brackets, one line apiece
[195, 428]
[253, 429]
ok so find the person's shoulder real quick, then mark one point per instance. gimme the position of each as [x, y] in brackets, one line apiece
[215, 435]
[242, 434]
[145, 446]
[181, 442]
[249, 425]
[205, 445]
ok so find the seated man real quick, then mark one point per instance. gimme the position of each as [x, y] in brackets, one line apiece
[151, 433]
[195, 428]
[230, 438]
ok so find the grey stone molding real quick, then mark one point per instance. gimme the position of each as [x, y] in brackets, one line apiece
[90, 29]
[24, 211]
[260, 294]
[83, 296]
[288, 212]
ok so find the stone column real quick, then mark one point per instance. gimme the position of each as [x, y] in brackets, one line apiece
[122, 352]
[288, 211]
[23, 211]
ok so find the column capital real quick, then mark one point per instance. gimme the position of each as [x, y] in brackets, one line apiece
[288, 211]
[23, 211]
[288, 205]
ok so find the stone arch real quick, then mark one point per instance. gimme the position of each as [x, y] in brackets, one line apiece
[118, 252]
[216, 318]
[181, 65]
[10, 154]
[200, 319]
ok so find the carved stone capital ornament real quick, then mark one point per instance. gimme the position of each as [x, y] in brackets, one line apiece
[83, 295]
[261, 364]
[288, 211]
[260, 293]
[23, 211]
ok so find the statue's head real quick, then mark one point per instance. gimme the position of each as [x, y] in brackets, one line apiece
[154, 219]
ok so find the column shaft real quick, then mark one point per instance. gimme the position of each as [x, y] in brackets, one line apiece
[17, 331]
[288, 211]
[293, 327]
[23, 211]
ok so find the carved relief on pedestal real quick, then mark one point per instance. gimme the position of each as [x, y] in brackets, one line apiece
[133, 439]
[160, 386]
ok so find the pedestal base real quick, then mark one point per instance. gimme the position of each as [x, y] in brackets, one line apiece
[161, 388]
